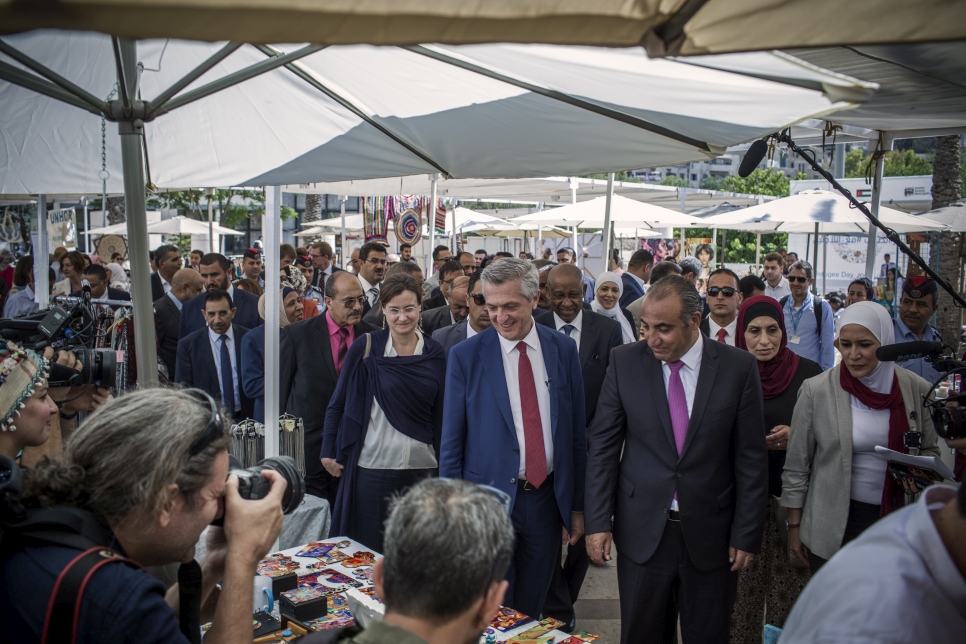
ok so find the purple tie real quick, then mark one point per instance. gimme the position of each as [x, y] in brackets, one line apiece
[677, 403]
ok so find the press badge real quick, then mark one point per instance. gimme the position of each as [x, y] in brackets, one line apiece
[794, 339]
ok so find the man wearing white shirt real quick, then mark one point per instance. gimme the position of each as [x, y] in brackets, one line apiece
[724, 298]
[476, 321]
[372, 270]
[902, 580]
[776, 285]
[210, 358]
[887, 266]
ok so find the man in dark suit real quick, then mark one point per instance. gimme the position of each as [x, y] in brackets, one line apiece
[167, 259]
[186, 284]
[595, 336]
[311, 353]
[514, 418]
[210, 359]
[372, 270]
[96, 276]
[214, 270]
[477, 319]
[636, 276]
[322, 264]
[453, 313]
[447, 273]
[677, 457]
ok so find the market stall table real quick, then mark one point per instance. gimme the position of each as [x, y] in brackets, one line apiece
[341, 573]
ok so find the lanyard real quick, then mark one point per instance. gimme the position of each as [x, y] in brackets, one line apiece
[791, 311]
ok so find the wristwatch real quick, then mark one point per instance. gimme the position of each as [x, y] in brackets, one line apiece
[789, 526]
[67, 416]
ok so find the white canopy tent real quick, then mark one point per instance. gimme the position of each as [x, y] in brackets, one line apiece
[954, 216]
[179, 225]
[591, 214]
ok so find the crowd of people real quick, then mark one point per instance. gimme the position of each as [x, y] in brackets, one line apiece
[724, 444]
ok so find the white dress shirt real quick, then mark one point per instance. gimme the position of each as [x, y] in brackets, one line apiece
[386, 448]
[215, 340]
[176, 301]
[896, 583]
[165, 284]
[577, 324]
[689, 379]
[373, 298]
[470, 331]
[639, 281]
[511, 365]
[729, 330]
[778, 292]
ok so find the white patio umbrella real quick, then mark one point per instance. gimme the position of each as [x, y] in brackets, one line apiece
[184, 226]
[953, 216]
[828, 211]
[624, 211]
[523, 230]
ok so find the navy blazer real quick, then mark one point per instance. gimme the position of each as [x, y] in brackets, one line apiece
[632, 290]
[196, 366]
[157, 288]
[252, 381]
[246, 314]
[450, 336]
[479, 441]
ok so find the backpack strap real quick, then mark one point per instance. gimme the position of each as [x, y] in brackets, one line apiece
[63, 610]
[817, 306]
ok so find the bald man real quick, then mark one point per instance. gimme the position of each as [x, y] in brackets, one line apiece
[186, 284]
[453, 313]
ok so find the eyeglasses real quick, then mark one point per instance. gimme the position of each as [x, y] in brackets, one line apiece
[349, 301]
[378, 262]
[395, 310]
[727, 291]
[573, 295]
[215, 428]
[478, 299]
[797, 278]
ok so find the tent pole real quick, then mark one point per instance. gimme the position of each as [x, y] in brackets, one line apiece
[272, 229]
[132, 162]
[434, 190]
[605, 233]
[87, 226]
[211, 227]
[342, 200]
[874, 207]
[825, 264]
[815, 260]
[714, 241]
[758, 251]
[538, 251]
[42, 256]
[573, 199]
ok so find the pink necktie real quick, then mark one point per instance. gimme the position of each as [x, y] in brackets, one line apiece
[536, 458]
[721, 335]
[677, 404]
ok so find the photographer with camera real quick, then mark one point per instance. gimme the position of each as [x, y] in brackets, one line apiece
[139, 482]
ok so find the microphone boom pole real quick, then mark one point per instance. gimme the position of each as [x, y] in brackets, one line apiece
[785, 137]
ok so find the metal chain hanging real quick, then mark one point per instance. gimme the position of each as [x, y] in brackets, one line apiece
[104, 175]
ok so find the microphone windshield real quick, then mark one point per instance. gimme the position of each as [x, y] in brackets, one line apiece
[753, 157]
[908, 351]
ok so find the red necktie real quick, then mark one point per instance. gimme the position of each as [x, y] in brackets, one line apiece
[343, 349]
[721, 335]
[536, 465]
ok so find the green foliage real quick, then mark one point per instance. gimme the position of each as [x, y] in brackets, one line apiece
[677, 182]
[905, 163]
[287, 212]
[855, 163]
[741, 245]
[962, 174]
[767, 181]
[712, 183]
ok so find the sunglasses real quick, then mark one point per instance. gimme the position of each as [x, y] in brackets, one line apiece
[478, 299]
[215, 428]
[797, 278]
[727, 291]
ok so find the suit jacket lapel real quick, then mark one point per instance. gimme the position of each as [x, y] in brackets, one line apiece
[209, 358]
[654, 377]
[706, 377]
[588, 334]
[843, 412]
[492, 361]
[326, 345]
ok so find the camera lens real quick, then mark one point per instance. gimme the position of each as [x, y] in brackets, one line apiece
[950, 422]
[295, 488]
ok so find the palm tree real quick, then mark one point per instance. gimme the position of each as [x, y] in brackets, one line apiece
[946, 190]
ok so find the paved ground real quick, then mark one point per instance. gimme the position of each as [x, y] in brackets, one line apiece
[598, 609]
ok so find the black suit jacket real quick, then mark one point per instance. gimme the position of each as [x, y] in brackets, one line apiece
[598, 336]
[450, 336]
[246, 315]
[435, 319]
[157, 289]
[721, 477]
[317, 277]
[434, 302]
[307, 381]
[168, 317]
[196, 367]
[374, 317]
[705, 327]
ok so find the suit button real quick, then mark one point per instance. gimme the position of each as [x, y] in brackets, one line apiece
[513, 480]
[516, 451]
[665, 510]
[677, 474]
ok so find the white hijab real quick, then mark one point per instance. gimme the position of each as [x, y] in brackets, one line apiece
[118, 276]
[615, 313]
[875, 318]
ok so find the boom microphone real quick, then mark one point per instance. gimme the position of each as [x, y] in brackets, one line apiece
[908, 351]
[753, 157]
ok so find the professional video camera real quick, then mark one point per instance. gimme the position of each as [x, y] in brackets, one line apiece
[950, 421]
[70, 327]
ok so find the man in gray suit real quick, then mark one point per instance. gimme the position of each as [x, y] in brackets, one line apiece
[677, 456]
[453, 313]
[477, 321]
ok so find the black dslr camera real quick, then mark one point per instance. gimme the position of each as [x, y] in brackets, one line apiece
[950, 422]
[252, 485]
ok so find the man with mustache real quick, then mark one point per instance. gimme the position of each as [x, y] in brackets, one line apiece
[917, 306]
[311, 355]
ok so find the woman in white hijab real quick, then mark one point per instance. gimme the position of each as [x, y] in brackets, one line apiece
[118, 278]
[607, 294]
[840, 418]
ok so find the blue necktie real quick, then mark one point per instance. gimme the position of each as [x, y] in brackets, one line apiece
[568, 329]
[227, 381]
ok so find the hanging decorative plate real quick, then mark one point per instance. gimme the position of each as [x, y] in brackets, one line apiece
[409, 226]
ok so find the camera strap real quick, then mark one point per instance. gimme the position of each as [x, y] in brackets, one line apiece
[63, 611]
[189, 594]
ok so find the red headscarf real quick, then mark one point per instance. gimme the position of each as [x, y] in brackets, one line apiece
[776, 374]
